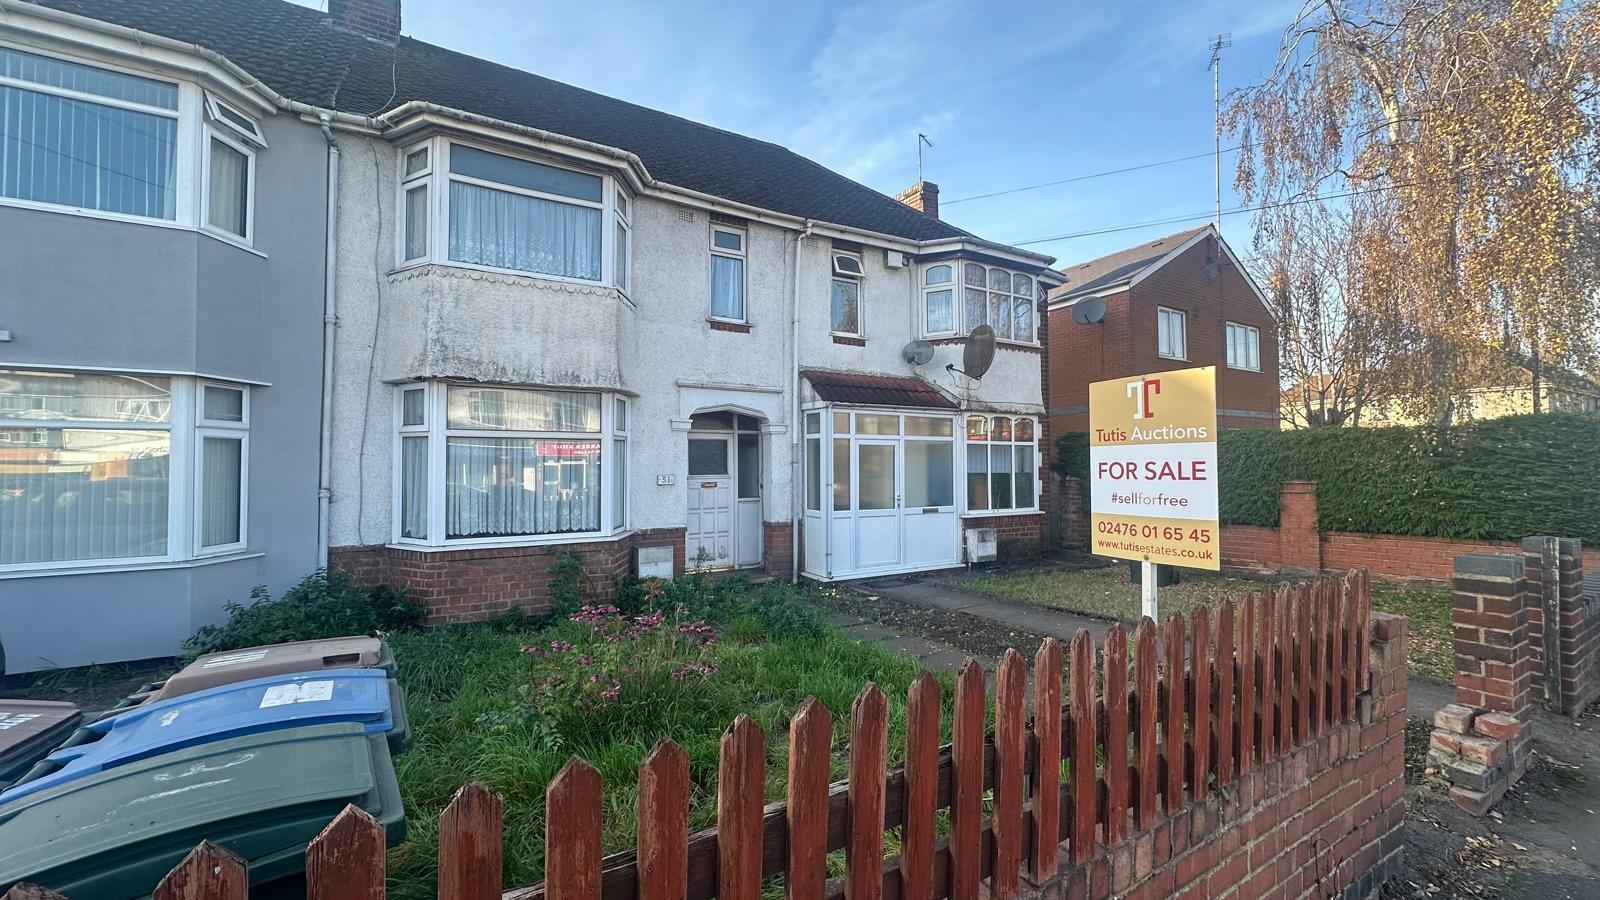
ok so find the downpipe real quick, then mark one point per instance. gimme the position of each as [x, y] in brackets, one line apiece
[796, 424]
[330, 323]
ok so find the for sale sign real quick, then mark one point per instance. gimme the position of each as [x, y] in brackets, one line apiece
[1153, 467]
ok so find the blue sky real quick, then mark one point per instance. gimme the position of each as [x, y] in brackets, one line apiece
[1011, 93]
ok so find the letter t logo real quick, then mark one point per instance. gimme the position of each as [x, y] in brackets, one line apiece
[1141, 392]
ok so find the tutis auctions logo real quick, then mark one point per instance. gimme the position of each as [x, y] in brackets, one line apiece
[1142, 391]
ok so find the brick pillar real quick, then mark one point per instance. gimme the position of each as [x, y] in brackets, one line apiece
[1299, 537]
[1567, 655]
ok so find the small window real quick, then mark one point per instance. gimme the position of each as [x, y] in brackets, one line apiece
[234, 120]
[937, 275]
[413, 406]
[845, 314]
[222, 404]
[621, 253]
[847, 266]
[228, 179]
[727, 274]
[1244, 347]
[620, 426]
[1172, 339]
[416, 224]
[417, 162]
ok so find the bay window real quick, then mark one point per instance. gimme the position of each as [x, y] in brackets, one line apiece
[1001, 464]
[100, 468]
[462, 204]
[481, 463]
[1002, 299]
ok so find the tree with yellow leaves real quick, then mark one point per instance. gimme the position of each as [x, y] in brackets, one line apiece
[1453, 146]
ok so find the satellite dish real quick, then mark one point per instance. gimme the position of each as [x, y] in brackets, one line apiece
[979, 354]
[1089, 310]
[917, 353]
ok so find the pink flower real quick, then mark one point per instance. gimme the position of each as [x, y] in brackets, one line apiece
[612, 692]
[586, 660]
[560, 646]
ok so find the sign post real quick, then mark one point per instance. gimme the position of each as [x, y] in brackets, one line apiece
[1153, 472]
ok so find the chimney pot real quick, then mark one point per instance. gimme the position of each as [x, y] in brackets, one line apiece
[922, 197]
[378, 20]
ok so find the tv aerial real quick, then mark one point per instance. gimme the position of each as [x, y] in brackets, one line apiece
[978, 355]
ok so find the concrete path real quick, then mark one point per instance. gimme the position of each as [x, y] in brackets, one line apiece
[1017, 615]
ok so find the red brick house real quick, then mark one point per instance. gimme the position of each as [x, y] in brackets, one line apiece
[1181, 301]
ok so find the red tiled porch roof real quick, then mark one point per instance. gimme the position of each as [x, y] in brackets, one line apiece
[876, 390]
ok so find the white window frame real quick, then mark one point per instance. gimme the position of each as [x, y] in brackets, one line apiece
[959, 286]
[966, 442]
[191, 170]
[185, 428]
[743, 255]
[435, 429]
[230, 139]
[859, 279]
[437, 176]
[221, 428]
[1252, 335]
[622, 213]
[954, 287]
[218, 109]
[1165, 315]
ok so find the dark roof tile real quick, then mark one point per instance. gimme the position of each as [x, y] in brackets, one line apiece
[876, 390]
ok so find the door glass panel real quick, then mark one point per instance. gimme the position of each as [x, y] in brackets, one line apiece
[708, 456]
[813, 474]
[749, 466]
[877, 476]
[930, 473]
[866, 424]
[841, 474]
[925, 425]
[977, 478]
[1000, 476]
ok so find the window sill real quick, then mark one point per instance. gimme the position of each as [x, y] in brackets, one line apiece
[849, 340]
[473, 270]
[1256, 371]
[729, 326]
[100, 568]
[556, 540]
[1173, 358]
[231, 240]
[1000, 513]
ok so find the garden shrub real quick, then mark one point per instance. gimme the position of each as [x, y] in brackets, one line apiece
[323, 605]
[1499, 479]
[569, 581]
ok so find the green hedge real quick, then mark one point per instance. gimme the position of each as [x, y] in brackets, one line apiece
[1502, 479]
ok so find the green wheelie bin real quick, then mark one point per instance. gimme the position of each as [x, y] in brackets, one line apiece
[114, 835]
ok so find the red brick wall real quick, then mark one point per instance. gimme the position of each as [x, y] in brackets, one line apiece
[1326, 820]
[1017, 538]
[777, 549]
[1125, 342]
[1577, 641]
[477, 584]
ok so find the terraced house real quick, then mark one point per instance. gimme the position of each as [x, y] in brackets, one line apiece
[526, 320]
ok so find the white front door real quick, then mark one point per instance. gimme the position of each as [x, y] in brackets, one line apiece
[878, 511]
[710, 539]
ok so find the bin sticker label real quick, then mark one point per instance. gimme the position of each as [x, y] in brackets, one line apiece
[234, 659]
[303, 692]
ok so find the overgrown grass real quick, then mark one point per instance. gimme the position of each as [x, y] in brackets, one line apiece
[465, 686]
[1108, 593]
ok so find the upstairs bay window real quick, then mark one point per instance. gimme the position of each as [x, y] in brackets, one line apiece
[499, 464]
[101, 468]
[989, 296]
[93, 140]
[463, 204]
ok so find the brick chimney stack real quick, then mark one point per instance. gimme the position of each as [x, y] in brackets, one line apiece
[378, 20]
[922, 197]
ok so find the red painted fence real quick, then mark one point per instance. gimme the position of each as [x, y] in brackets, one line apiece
[1202, 706]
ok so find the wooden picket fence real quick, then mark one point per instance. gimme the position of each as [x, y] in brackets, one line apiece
[1204, 705]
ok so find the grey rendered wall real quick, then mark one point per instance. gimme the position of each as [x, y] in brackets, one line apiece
[82, 291]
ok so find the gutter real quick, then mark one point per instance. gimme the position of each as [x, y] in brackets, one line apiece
[330, 325]
[797, 424]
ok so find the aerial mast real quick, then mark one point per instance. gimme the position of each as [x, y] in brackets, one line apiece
[1217, 44]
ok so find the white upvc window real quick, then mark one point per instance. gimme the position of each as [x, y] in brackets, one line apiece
[229, 191]
[1002, 464]
[486, 464]
[1244, 347]
[1002, 299]
[466, 205]
[622, 241]
[103, 469]
[846, 316]
[728, 254]
[82, 137]
[222, 446]
[940, 315]
[1172, 339]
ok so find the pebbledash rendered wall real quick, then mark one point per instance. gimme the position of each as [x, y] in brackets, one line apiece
[655, 346]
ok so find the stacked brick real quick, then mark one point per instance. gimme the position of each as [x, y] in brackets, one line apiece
[1481, 743]
[1567, 659]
